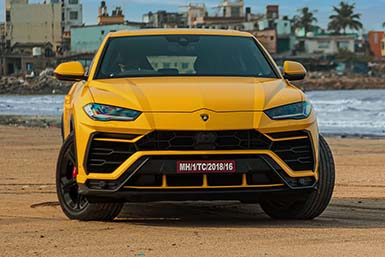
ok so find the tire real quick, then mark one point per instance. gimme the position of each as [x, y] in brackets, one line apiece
[316, 202]
[74, 205]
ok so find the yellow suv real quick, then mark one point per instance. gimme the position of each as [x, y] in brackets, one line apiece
[189, 115]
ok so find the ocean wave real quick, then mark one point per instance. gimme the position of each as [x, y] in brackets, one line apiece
[32, 105]
[352, 124]
[338, 112]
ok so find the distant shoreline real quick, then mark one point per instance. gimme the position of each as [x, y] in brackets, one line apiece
[42, 85]
[341, 83]
[37, 121]
[50, 86]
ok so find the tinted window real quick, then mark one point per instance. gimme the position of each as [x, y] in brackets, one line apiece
[73, 15]
[183, 55]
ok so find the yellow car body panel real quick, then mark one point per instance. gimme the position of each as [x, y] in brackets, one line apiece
[176, 103]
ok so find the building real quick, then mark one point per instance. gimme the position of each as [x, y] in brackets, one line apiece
[228, 15]
[104, 18]
[72, 13]
[271, 20]
[272, 12]
[2, 46]
[268, 39]
[282, 25]
[88, 38]
[163, 19]
[2, 36]
[383, 47]
[23, 58]
[329, 44]
[230, 9]
[376, 43]
[36, 32]
[8, 23]
[215, 22]
[193, 12]
[48, 21]
[72, 16]
[33, 23]
[285, 40]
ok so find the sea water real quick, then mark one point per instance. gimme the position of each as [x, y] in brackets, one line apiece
[340, 112]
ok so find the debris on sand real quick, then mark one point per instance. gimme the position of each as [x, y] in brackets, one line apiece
[30, 121]
[39, 85]
[340, 83]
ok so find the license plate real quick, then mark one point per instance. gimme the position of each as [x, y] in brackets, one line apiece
[205, 167]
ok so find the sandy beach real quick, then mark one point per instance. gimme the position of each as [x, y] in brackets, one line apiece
[32, 224]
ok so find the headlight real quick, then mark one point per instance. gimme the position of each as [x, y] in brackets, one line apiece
[294, 111]
[103, 112]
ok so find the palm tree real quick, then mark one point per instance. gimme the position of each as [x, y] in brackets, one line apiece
[344, 18]
[383, 24]
[305, 19]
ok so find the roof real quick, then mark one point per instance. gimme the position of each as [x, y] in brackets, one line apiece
[331, 37]
[31, 44]
[149, 32]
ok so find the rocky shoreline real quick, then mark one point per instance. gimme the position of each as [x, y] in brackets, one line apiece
[46, 85]
[341, 83]
[30, 121]
[41, 85]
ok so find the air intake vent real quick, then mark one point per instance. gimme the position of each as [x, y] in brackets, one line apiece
[106, 156]
[297, 154]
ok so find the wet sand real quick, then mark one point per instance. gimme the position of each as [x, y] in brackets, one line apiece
[32, 224]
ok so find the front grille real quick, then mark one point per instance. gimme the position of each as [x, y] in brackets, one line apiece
[104, 156]
[203, 140]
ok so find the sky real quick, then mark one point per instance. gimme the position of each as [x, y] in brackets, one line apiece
[373, 11]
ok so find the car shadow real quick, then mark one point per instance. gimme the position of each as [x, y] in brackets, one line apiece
[341, 213]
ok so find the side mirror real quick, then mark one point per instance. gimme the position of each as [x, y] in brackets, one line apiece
[70, 71]
[293, 70]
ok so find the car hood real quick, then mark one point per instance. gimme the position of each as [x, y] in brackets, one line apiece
[187, 94]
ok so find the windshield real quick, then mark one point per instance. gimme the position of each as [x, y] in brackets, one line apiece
[183, 55]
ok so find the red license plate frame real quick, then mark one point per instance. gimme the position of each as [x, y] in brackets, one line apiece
[206, 166]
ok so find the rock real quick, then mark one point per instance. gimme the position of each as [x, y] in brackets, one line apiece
[335, 82]
[39, 85]
[30, 121]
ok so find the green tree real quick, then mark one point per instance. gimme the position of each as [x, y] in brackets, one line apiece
[344, 18]
[305, 19]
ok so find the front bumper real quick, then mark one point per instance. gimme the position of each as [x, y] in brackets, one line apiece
[150, 178]
[140, 169]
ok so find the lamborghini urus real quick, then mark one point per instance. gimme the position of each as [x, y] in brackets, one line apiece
[168, 115]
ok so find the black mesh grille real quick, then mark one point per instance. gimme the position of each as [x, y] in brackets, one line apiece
[297, 154]
[203, 140]
[106, 156]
